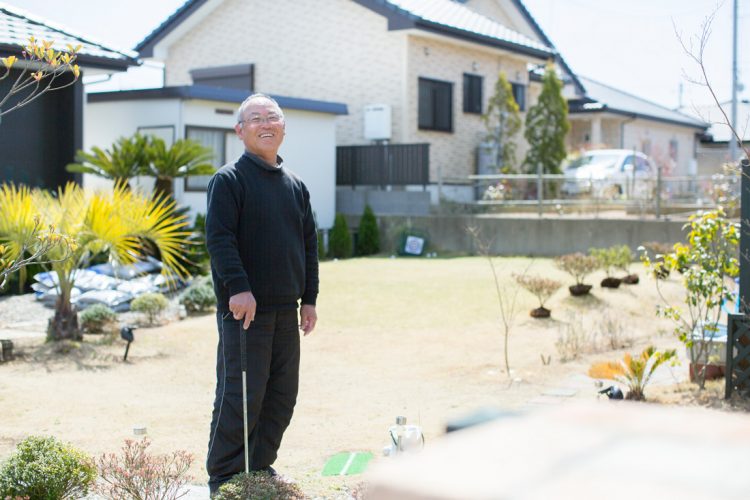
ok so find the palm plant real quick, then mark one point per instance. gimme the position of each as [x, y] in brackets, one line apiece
[184, 158]
[634, 372]
[119, 223]
[127, 159]
[23, 237]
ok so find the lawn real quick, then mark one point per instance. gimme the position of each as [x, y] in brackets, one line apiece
[415, 337]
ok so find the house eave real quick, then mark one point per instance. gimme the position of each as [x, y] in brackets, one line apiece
[629, 114]
[205, 93]
[484, 40]
[83, 60]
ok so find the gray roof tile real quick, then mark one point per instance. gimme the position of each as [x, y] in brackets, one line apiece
[614, 99]
[17, 25]
[455, 15]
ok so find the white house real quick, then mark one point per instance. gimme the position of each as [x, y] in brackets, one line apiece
[208, 115]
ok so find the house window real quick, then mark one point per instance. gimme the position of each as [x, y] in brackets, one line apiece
[519, 94]
[435, 105]
[223, 142]
[472, 94]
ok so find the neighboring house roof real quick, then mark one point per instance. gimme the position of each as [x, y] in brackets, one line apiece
[17, 25]
[445, 17]
[603, 98]
[215, 94]
[719, 131]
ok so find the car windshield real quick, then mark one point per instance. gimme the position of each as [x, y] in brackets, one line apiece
[593, 157]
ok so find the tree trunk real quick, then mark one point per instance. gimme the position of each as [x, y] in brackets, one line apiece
[163, 186]
[64, 325]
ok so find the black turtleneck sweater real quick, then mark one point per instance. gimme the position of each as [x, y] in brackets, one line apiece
[261, 235]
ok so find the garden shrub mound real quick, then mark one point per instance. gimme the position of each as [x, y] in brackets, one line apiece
[151, 305]
[199, 297]
[43, 468]
[97, 318]
[259, 486]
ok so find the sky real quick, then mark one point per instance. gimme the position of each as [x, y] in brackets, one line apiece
[629, 44]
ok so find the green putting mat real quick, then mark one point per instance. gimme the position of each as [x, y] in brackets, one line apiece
[347, 463]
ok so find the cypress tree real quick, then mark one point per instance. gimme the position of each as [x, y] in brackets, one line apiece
[340, 241]
[503, 121]
[368, 239]
[546, 127]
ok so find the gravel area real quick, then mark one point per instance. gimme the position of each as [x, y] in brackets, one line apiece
[22, 310]
[25, 314]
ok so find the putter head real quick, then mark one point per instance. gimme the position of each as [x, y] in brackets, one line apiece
[126, 333]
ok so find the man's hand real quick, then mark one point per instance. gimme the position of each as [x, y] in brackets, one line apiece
[308, 317]
[243, 305]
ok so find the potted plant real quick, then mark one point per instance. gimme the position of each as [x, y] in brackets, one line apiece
[542, 289]
[624, 259]
[608, 260]
[578, 266]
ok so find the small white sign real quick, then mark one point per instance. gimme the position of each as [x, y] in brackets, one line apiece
[414, 245]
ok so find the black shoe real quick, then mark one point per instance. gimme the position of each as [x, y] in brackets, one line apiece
[276, 476]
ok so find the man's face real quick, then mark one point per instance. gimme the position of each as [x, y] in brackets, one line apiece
[261, 128]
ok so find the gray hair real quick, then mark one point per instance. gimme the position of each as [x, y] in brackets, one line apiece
[255, 97]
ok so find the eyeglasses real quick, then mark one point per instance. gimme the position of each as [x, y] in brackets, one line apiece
[258, 120]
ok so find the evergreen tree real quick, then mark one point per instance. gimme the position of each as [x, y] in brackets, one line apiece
[546, 127]
[340, 241]
[503, 121]
[368, 240]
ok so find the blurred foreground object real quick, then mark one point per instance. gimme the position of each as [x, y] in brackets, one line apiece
[580, 451]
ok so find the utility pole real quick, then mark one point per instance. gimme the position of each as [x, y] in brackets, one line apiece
[732, 139]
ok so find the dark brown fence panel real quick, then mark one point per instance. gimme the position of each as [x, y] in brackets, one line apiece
[737, 370]
[383, 165]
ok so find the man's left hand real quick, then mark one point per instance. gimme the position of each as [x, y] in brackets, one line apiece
[308, 318]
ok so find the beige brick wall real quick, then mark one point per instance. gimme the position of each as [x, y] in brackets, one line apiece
[332, 50]
[455, 153]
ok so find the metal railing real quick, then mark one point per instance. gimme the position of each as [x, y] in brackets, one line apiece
[383, 165]
[655, 195]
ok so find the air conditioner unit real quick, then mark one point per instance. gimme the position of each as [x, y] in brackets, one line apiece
[378, 122]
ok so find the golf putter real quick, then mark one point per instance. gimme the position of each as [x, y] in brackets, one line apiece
[243, 365]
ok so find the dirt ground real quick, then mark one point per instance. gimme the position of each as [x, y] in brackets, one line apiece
[419, 338]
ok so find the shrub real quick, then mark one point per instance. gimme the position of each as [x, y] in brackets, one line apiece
[150, 304]
[634, 372]
[541, 288]
[573, 340]
[198, 297]
[46, 469]
[340, 241]
[607, 259]
[368, 240]
[577, 265]
[613, 333]
[624, 257]
[258, 485]
[96, 318]
[138, 475]
[706, 261]
[654, 252]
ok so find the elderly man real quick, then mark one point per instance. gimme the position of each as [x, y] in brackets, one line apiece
[262, 241]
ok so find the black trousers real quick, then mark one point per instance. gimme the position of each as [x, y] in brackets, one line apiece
[273, 352]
